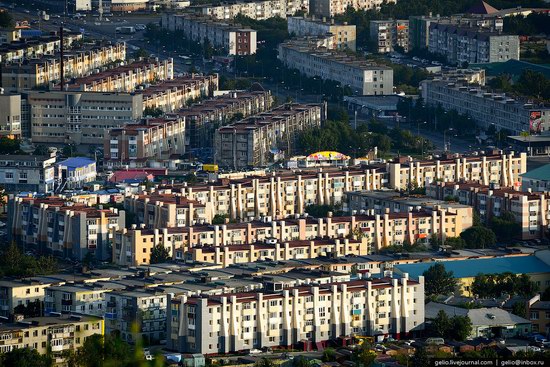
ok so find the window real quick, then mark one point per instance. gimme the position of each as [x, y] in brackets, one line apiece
[534, 315]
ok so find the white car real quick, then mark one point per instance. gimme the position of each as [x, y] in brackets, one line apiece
[255, 351]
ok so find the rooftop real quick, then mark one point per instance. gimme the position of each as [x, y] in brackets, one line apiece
[540, 173]
[77, 162]
[472, 267]
[48, 321]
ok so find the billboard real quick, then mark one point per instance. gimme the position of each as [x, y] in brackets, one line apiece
[535, 121]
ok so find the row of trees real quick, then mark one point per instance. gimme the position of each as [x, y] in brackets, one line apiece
[456, 328]
[530, 83]
[13, 262]
[533, 24]
[495, 285]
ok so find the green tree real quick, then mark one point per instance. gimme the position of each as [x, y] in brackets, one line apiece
[219, 218]
[505, 226]
[25, 357]
[265, 362]
[461, 327]
[329, 355]
[320, 211]
[420, 358]
[9, 146]
[6, 20]
[478, 237]
[456, 243]
[364, 356]
[438, 280]
[141, 53]
[300, 361]
[153, 112]
[106, 351]
[519, 309]
[441, 324]
[159, 254]
[41, 149]
[33, 309]
[545, 296]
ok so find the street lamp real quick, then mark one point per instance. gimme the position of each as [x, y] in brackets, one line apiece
[445, 138]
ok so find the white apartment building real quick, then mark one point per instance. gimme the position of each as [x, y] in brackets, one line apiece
[35, 48]
[362, 77]
[487, 108]
[330, 8]
[27, 173]
[255, 9]
[231, 37]
[10, 115]
[472, 45]
[344, 34]
[315, 312]
[87, 298]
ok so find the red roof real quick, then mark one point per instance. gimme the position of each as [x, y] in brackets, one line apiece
[122, 176]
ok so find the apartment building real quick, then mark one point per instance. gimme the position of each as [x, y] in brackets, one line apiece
[19, 50]
[360, 76]
[76, 63]
[65, 117]
[61, 227]
[459, 44]
[486, 108]
[255, 9]
[316, 312]
[202, 119]
[389, 34]
[344, 34]
[87, 298]
[530, 209]
[330, 8]
[389, 201]
[9, 35]
[144, 310]
[125, 78]
[231, 37]
[153, 139]
[171, 95]
[378, 231]
[494, 167]
[75, 172]
[21, 292]
[29, 173]
[264, 138]
[419, 26]
[10, 115]
[53, 335]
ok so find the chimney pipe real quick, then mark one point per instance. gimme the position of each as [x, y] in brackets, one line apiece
[62, 62]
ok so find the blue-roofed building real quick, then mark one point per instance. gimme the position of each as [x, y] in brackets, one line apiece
[465, 271]
[537, 179]
[76, 171]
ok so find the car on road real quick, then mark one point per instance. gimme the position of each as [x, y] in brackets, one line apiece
[254, 351]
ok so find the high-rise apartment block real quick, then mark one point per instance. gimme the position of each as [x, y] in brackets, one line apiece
[343, 34]
[255, 9]
[330, 8]
[386, 35]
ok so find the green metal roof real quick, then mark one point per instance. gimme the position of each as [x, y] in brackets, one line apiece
[540, 173]
[513, 67]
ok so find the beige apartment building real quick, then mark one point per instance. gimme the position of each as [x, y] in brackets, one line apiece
[10, 115]
[530, 209]
[344, 34]
[494, 167]
[125, 78]
[202, 119]
[277, 197]
[259, 140]
[64, 229]
[50, 334]
[21, 292]
[330, 8]
[35, 48]
[361, 76]
[255, 9]
[134, 246]
[315, 313]
[171, 95]
[153, 139]
[77, 63]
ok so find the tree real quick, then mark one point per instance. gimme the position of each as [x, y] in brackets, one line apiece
[9, 146]
[141, 53]
[33, 309]
[264, 362]
[461, 327]
[41, 149]
[300, 361]
[329, 355]
[320, 211]
[519, 309]
[153, 112]
[219, 218]
[364, 356]
[505, 226]
[545, 296]
[6, 20]
[438, 280]
[494, 285]
[441, 324]
[456, 243]
[105, 350]
[159, 254]
[478, 237]
[25, 357]
[420, 358]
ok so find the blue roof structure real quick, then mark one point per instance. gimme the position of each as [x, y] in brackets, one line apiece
[541, 173]
[472, 267]
[76, 162]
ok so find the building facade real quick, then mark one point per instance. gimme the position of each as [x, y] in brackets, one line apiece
[387, 34]
[231, 37]
[344, 34]
[233, 322]
[360, 76]
[69, 230]
[10, 115]
[330, 8]
[460, 45]
[261, 139]
[487, 108]
[255, 9]
[76, 171]
[27, 173]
